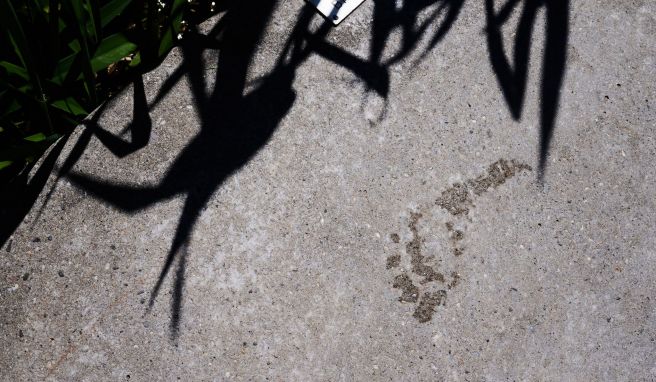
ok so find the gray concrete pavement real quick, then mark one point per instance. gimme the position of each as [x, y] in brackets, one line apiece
[370, 238]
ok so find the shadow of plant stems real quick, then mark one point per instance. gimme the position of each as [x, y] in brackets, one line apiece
[48, 77]
[139, 128]
[388, 17]
[234, 126]
[22, 193]
[512, 78]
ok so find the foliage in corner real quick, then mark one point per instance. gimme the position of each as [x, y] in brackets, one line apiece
[59, 59]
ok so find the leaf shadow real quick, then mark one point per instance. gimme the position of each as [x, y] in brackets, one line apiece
[235, 124]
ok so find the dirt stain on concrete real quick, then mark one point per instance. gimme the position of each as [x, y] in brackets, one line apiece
[429, 301]
[457, 200]
[393, 261]
[409, 292]
[455, 237]
[455, 279]
[413, 248]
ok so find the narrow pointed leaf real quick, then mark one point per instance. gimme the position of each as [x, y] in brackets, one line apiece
[70, 105]
[111, 10]
[112, 49]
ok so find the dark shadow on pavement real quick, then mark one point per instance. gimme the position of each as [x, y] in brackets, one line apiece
[19, 196]
[235, 125]
[513, 76]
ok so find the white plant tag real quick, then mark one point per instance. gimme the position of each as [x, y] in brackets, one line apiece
[336, 10]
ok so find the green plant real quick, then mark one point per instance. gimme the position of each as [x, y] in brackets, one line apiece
[59, 59]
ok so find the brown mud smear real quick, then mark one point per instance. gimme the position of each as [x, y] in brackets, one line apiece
[429, 301]
[455, 236]
[409, 292]
[458, 198]
[413, 248]
[393, 261]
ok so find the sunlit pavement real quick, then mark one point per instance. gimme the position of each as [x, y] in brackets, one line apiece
[356, 205]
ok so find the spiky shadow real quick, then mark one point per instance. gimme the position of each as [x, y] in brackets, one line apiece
[235, 125]
[233, 128]
[513, 77]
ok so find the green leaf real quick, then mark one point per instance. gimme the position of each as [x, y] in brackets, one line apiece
[70, 105]
[12, 26]
[20, 91]
[136, 60]
[173, 28]
[166, 44]
[5, 163]
[15, 69]
[30, 148]
[38, 137]
[111, 50]
[75, 7]
[94, 13]
[75, 46]
[176, 11]
[15, 30]
[53, 24]
[62, 69]
[13, 106]
[111, 10]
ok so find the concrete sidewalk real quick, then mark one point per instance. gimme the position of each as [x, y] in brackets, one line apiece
[368, 233]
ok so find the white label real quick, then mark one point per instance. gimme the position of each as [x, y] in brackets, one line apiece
[336, 10]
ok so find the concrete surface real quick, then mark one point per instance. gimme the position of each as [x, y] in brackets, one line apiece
[368, 240]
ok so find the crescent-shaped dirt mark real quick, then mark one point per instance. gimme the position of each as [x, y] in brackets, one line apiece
[457, 200]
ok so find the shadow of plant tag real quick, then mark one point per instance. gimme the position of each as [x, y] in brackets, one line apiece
[335, 10]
